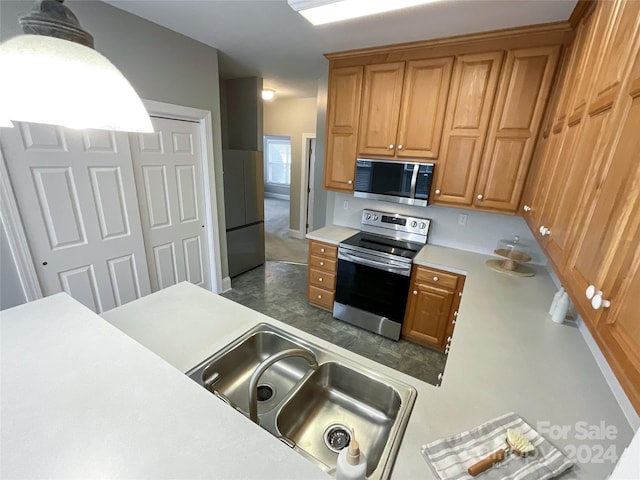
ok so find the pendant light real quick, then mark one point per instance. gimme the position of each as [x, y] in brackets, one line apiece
[53, 75]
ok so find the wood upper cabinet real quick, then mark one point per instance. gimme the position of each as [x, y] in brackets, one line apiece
[424, 102]
[343, 120]
[521, 100]
[473, 88]
[403, 108]
[432, 307]
[380, 108]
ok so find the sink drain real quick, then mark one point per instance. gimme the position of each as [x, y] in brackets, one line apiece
[265, 392]
[337, 437]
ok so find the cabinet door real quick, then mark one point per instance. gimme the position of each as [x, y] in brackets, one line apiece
[424, 100]
[602, 240]
[618, 329]
[381, 108]
[522, 97]
[343, 118]
[473, 88]
[427, 315]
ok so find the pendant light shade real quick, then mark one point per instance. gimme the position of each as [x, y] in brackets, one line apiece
[52, 75]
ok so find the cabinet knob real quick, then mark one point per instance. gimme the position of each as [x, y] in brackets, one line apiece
[322, 250]
[479, 196]
[391, 146]
[455, 314]
[350, 182]
[591, 291]
[415, 292]
[597, 302]
[319, 297]
[437, 192]
[544, 231]
[526, 208]
[453, 323]
[320, 279]
[440, 377]
[449, 339]
[400, 147]
[322, 264]
[435, 279]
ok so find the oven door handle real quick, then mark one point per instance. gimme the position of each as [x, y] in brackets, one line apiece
[400, 269]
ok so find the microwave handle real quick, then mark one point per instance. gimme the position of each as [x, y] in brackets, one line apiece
[414, 180]
[403, 270]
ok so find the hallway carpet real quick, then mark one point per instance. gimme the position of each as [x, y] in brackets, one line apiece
[278, 245]
[279, 290]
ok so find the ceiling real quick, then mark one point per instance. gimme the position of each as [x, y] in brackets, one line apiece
[267, 38]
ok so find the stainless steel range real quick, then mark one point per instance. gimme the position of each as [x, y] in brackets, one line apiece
[374, 269]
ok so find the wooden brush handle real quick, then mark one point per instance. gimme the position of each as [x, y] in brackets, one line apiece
[486, 463]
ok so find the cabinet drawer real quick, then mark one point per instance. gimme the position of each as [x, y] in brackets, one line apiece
[321, 263]
[437, 277]
[323, 249]
[322, 279]
[321, 297]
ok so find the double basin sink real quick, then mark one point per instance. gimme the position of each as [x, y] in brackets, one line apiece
[309, 397]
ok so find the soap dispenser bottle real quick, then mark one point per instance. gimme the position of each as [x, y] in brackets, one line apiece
[351, 464]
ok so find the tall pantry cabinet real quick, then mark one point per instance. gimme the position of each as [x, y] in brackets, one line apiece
[583, 203]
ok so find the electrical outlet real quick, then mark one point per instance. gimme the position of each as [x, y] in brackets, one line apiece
[345, 205]
[462, 219]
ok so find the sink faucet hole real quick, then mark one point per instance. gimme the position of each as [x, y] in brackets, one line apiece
[337, 437]
[265, 392]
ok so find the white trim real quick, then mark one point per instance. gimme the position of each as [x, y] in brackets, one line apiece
[623, 401]
[306, 174]
[226, 284]
[203, 117]
[279, 196]
[16, 237]
[296, 234]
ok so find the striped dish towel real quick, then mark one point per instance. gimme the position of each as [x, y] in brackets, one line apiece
[450, 457]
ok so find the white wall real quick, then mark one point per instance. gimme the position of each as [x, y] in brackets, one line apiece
[292, 118]
[480, 234]
[161, 65]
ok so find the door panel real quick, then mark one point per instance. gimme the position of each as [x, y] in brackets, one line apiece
[380, 108]
[168, 171]
[473, 88]
[76, 195]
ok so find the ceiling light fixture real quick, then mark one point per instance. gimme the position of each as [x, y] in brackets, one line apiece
[268, 94]
[53, 75]
[320, 12]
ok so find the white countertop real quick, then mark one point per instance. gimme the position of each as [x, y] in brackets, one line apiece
[506, 355]
[332, 234]
[82, 400]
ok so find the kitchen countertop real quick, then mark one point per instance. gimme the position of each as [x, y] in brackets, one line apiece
[506, 355]
[332, 234]
[82, 400]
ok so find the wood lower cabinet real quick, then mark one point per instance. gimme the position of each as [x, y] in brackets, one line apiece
[343, 120]
[432, 307]
[323, 263]
[403, 108]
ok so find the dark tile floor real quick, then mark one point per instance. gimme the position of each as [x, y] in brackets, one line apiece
[278, 290]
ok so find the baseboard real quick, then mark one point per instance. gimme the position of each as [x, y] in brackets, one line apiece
[296, 234]
[623, 401]
[226, 284]
[280, 196]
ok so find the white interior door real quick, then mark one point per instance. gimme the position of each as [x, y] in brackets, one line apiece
[76, 195]
[169, 179]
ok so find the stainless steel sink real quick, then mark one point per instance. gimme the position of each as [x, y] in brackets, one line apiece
[313, 410]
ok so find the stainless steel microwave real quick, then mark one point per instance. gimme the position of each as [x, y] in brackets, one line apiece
[393, 181]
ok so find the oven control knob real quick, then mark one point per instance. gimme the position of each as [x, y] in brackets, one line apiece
[367, 216]
[414, 224]
[423, 225]
[376, 217]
